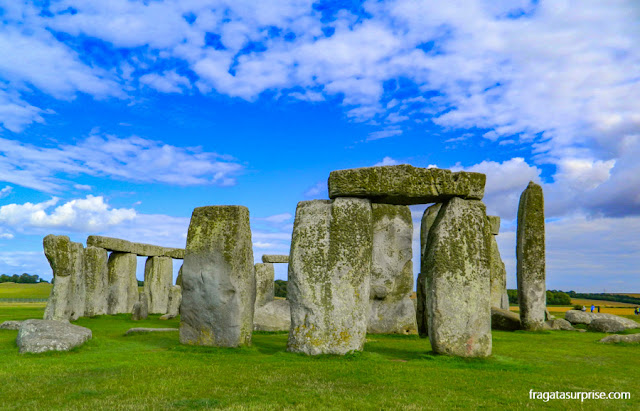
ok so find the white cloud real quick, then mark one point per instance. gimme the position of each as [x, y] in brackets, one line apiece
[377, 135]
[167, 82]
[585, 174]
[130, 159]
[320, 187]
[6, 236]
[6, 191]
[387, 161]
[88, 214]
[276, 218]
[84, 187]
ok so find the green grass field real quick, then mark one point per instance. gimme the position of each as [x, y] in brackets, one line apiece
[156, 372]
[13, 290]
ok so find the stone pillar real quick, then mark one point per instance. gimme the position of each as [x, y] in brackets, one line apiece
[457, 268]
[422, 317]
[265, 275]
[329, 276]
[158, 277]
[179, 278]
[218, 281]
[96, 280]
[175, 298]
[530, 254]
[391, 310]
[67, 298]
[498, 270]
[140, 308]
[123, 285]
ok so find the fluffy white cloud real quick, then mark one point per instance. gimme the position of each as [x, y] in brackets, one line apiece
[130, 159]
[6, 191]
[88, 214]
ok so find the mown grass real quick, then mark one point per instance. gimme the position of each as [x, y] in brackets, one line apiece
[154, 371]
[14, 290]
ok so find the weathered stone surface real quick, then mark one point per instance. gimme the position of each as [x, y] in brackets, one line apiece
[329, 276]
[96, 281]
[141, 249]
[123, 285]
[390, 308]
[10, 325]
[530, 254]
[422, 317]
[498, 275]
[273, 316]
[275, 258]
[457, 268]
[405, 184]
[218, 280]
[504, 302]
[616, 338]
[141, 308]
[67, 298]
[606, 325]
[175, 298]
[504, 320]
[179, 278]
[36, 336]
[494, 224]
[142, 330]
[158, 277]
[265, 275]
[560, 324]
[581, 317]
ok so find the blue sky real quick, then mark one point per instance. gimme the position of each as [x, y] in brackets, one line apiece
[118, 118]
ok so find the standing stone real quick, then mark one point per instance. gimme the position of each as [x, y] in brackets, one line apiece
[329, 276]
[504, 304]
[158, 277]
[422, 317]
[218, 281]
[391, 308]
[530, 254]
[141, 308]
[498, 275]
[123, 285]
[67, 298]
[457, 268]
[265, 274]
[96, 280]
[175, 298]
[179, 278]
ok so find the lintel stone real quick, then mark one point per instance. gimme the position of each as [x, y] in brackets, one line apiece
[141, 249]
[275, 258]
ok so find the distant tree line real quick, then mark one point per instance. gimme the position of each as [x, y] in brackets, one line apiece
[605, 297]
[23, 278]
[554, 297]
[280, 288]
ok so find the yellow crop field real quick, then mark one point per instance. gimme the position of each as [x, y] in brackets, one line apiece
[629, 295]
[600, 303]
[14, 290]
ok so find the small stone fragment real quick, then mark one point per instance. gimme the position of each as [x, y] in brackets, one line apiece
[175, 299]
[10, 325]
[140, 308]
[37, 336]
[141, 330]
[494, 224]
[616, 338]
[560, 324]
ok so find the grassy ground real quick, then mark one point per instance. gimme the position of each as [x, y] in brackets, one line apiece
[156, 372]
[13, 290]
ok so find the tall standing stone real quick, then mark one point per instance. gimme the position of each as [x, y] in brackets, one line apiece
[530, 254]
[96, 280]
[457, 268]
[175, 298]
[265, 275]
[123, 285]
[158, 277]
[329, 276]
[218, 280]
[498, 270]
[391, 308]
[422, 317]
[67, 298]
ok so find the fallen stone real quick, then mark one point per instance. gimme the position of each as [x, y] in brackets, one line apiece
[96, 281]
[123, 285]
[141, 330]
[141, 308]
[457, 268]
[37, 336]
[494, 224]
[530, 254]
[607, 325]
[265, 275]
[616, 338]
[390, 308]
[10, 325]
[275, 258]
[218, 279]
[273, 316]
[329, 276]
[68, 295]
[560, 324]
[422, 315]
[581, 317]
[504, 320]
[141, 249]
[405, 184]
[158, 277]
